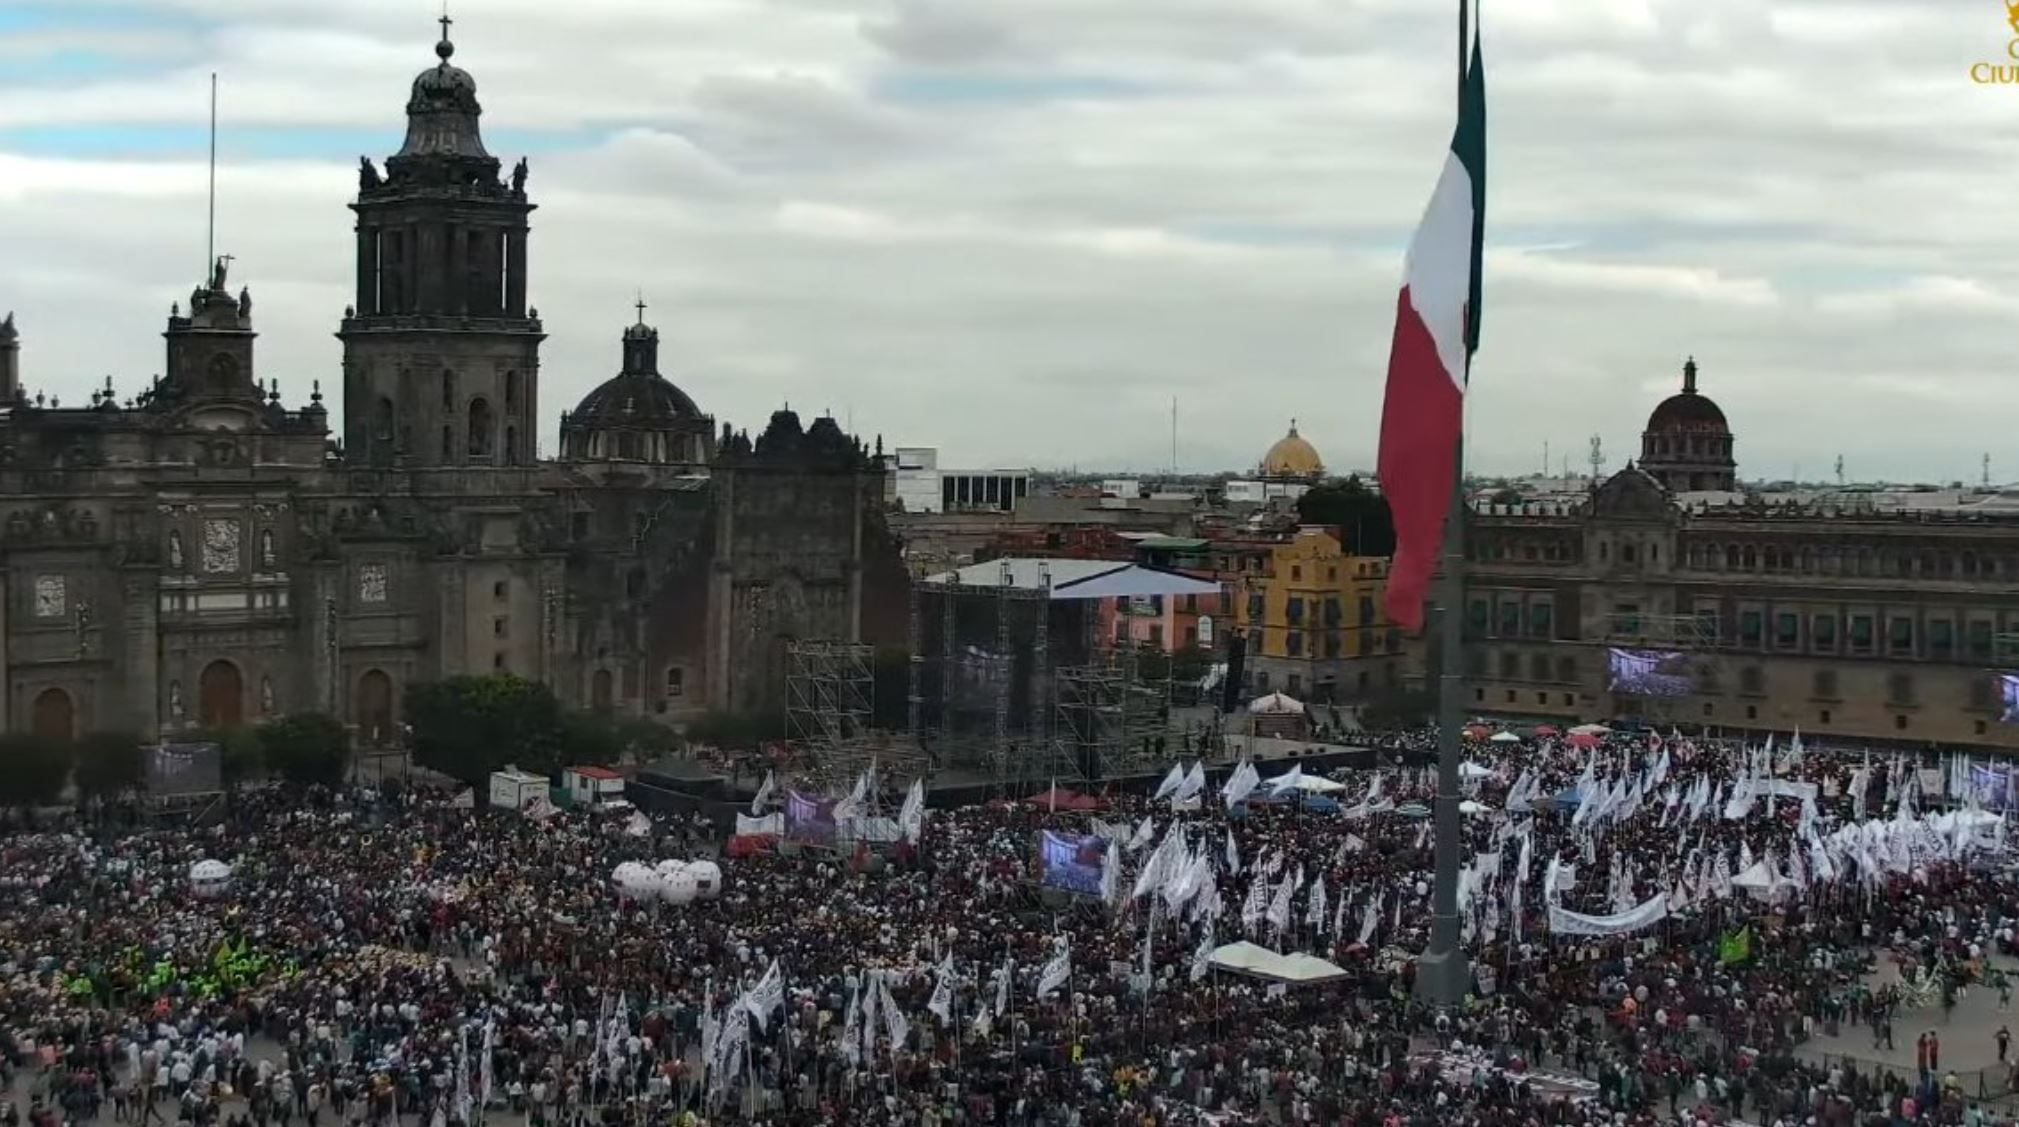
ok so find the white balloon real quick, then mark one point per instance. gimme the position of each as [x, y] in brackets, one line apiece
[678, 886]
[634, 880]
[208, 878]
[707, 878]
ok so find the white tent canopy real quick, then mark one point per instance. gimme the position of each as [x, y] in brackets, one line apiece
[1590, 730]
[1276, 704]
[1248, 958]
[1506, 738]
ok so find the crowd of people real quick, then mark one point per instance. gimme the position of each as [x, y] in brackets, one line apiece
[397, 956]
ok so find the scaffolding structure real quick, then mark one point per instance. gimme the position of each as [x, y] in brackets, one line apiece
[980, 676]
[1088, 725]
[830, 698]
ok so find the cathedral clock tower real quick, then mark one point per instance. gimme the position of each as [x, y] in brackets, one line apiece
[441, 353]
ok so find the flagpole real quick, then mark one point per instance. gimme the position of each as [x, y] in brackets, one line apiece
[1442, 978]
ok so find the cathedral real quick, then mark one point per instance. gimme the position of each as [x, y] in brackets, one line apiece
[203, 556]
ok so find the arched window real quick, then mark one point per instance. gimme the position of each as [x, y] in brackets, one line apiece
[481, 426]
[511, 391]
[448, 390]
[627, 445]
[1747, 559]
[1731, 557]
[511, 446]
[382, 421]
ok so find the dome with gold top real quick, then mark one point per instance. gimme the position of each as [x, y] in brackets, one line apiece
[1291, 456]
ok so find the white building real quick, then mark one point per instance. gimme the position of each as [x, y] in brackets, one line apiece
[921, 486]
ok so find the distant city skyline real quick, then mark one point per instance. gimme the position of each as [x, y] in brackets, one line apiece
[1017, 238]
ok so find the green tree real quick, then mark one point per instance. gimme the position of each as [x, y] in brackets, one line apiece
[36, 769]
[735, 729]
[1359, 513]
[239, 753]
[108, 764]
[467, 727]
[643, 740]
[306, 748]
[1397, 709]
[589, 738]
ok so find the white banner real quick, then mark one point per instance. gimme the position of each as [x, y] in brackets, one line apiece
[1648, 913]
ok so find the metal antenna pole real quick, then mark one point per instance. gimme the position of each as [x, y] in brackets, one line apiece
[1442, 978]
[210, 240]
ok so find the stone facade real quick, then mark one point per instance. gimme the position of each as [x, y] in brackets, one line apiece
[1854, 626]
[201, 555]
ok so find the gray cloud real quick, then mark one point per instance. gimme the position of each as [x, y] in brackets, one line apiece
[1204, 199]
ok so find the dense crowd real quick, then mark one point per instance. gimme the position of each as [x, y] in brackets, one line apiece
[398, 957]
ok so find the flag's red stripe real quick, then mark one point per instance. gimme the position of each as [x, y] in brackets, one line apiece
[1421, 416]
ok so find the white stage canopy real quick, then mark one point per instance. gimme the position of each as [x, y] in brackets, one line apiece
[1300, 969]
[1078, 579]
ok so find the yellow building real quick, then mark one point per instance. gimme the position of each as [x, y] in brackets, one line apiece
[1315, 625]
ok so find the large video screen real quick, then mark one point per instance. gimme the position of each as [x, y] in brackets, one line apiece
[809, 819]
[2008, 697]
[1650, 673]
[1072, 862]
[178, 769]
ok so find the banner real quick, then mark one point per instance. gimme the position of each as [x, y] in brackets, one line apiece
[770, 825]
[1650, 912]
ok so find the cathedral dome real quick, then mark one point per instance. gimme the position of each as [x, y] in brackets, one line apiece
[638, 414]
[1292, 456]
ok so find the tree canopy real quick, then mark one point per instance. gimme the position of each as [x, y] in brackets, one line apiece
[108, 764]
[306, 747]
[467, 727]
[1360, 513]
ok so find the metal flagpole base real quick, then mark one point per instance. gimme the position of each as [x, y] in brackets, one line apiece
[1443, 978]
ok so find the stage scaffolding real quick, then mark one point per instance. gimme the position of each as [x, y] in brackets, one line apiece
[830, 700]
[1112, 717]
[980, 671]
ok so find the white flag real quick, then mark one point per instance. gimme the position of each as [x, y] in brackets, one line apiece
[638, 825]
[1195, 782]
[1058, 970]
[1002, 986]
[1233, 856]
[764, 793]
[1173, 779]
[764, 998]
[1202, 959]
[851, 1029]
[911, 818]
[895, 1025]
[1314, 914]
[941, 1005]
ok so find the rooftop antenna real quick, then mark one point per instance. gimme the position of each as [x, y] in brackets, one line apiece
[1596, 457]
[1174, 436]
[1840, 471]
[1987, 469]
[1545, 457]
[210, 240]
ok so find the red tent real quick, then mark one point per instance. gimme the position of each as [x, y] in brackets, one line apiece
[1063, 799]
[1583, 740]
[1546, 730]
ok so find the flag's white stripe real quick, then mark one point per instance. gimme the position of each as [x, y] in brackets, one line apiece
[1439, 273]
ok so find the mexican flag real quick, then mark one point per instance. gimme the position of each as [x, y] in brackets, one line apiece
[1436, 333]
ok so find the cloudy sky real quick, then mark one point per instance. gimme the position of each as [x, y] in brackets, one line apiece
[1016, 229]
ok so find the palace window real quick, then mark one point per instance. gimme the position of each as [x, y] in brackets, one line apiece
[1861, 633]
[1787, 630]
[1941, 639]
[1900, 636]
[1750, 626]
[1294, 609]
[1510, 618]
[1541, 618]
[1823, 632]
[1979, 635]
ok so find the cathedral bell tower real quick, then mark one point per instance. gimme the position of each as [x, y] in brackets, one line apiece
[441, 353]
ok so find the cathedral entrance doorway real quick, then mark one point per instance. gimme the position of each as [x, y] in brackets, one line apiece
[375, 708]
[221, 692]
[53, 716]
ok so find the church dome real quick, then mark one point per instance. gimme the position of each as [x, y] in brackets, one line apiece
[638, 415]
[1687, 445]
[1688, 409]
[1292, 456]
[638, 395]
